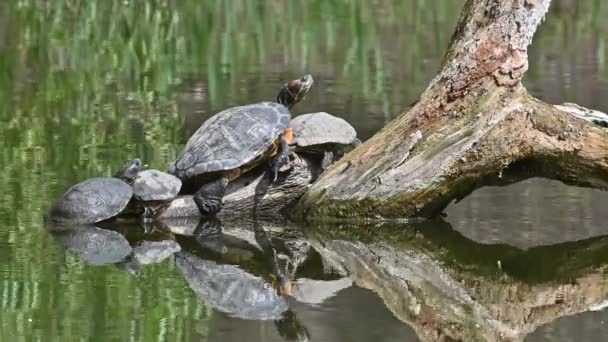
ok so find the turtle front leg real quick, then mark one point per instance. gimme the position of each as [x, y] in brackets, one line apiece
[281, 159]
[208, 198]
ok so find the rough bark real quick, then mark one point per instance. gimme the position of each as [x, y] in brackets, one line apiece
[474, 125]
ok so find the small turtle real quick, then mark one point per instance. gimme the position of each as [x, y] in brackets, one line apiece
[154, 189]
[323, 134]
[96, 199]
[234, 141]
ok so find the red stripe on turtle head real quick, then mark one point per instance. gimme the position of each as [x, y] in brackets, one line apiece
[293, 85]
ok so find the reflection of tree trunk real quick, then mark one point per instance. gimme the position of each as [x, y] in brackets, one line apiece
[474, 124]
[450, 288]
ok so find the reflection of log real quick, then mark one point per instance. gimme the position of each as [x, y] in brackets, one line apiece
[445, 285]
[474, 122]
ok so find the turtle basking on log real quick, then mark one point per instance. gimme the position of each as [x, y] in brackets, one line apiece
[154, 190]
[96, 199]
[323, 134]
[236, 140]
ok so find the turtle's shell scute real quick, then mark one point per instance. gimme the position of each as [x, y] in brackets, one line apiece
[231, 139]
[321, 128]
[154, 185]
[91, 201]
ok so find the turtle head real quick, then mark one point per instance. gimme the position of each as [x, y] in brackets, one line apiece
[294, 91]
[128, 172]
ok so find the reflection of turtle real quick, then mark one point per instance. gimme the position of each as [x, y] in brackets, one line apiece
[154, 189]
[151, 252]
[96, 199]
[234, 141]
[93, 245]
[229, 289]
[323, 134]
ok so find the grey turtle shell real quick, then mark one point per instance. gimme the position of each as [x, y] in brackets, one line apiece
[154, 185]
[321, 128]
[229, 289]
[91, 201]
[231, 138]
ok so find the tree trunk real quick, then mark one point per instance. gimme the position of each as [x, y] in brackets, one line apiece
[474, 125]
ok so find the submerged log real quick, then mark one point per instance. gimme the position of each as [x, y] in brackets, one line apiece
[474, 125]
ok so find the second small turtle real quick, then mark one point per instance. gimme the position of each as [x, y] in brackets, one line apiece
[323, 134]
[154, 189]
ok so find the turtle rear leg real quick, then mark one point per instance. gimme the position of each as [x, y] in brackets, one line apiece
[208, 198]
[281, 159]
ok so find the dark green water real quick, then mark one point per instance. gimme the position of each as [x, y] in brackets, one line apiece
[86, 85]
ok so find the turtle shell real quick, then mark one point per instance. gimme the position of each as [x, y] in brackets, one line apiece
[231, 139]
[154, 185]
[321, 128]
[91, 201]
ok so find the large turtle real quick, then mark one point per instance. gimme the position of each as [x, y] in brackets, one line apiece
[96, 199]
[236, 140]
[323, 134]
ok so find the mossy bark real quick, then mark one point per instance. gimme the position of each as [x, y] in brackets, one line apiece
[474, 125]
